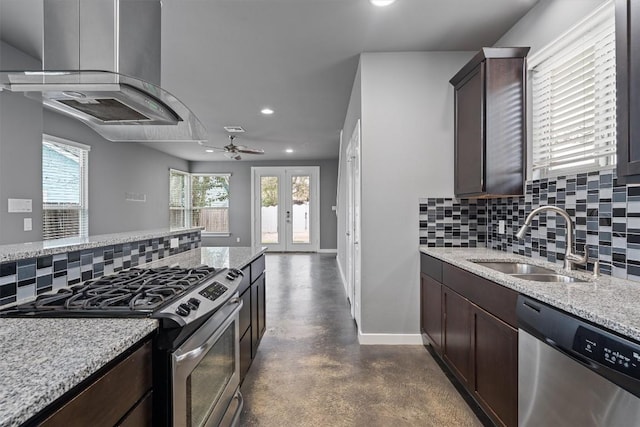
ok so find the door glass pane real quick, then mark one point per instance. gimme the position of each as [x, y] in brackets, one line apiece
[300, 206]
[209, 379]
[269, 209]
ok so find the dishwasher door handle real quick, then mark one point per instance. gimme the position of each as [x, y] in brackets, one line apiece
[574, 356]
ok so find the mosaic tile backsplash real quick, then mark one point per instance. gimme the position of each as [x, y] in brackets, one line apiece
[606, 217]
[26, 278]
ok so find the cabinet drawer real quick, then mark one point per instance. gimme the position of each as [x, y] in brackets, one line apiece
[120, 388]
[494, 298]
[431, 266]
[140, 416]
[245, 353]
[257, 267]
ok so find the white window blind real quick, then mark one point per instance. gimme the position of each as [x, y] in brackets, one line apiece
[574, 99]
[210, 202]
[64, 189]
[178, 199]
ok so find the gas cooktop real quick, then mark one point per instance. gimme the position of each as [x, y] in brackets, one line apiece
[155, 292]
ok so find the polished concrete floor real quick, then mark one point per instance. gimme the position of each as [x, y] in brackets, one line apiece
[311, 371]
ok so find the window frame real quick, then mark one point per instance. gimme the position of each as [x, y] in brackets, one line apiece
[204, 232]
[189, 208]
[83, 221]
[560, 45]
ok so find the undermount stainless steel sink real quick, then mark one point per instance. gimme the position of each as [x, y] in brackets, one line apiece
[526, 271]
[548, 278]
[509, 267]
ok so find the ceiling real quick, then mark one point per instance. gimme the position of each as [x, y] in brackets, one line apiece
[226, 59]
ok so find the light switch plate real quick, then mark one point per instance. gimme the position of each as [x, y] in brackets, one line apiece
[501, 227]
[28, 224]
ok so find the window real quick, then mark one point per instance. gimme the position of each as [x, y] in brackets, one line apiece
[574, 101]
[199, 200]
[64, 188]
[178, 199]
[210, 202]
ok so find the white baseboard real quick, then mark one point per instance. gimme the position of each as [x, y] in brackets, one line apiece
[327, 251]
[389, 339]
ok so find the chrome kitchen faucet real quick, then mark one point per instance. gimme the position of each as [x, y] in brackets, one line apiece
[570, 258]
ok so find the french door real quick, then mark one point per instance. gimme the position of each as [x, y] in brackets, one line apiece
[285, 208]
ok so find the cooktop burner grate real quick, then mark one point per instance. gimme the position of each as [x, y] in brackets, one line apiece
[132, 291]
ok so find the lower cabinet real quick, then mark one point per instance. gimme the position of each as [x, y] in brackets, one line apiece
[495, 353]
[126, 388]
[470, 323]
[457, 334]
[431, 311]
[253, 313]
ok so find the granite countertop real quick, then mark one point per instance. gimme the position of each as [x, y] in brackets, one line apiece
[41, 359]
[605, 301]
[218, 257]
[51, 247]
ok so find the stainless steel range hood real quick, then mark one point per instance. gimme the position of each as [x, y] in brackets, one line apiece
[101, 65]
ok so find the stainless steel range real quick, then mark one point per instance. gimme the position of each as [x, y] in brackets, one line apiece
[196, 351]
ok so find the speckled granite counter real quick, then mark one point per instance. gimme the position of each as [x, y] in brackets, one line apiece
[41, 359]
[606, 301]
[58, 246]
[219, 257]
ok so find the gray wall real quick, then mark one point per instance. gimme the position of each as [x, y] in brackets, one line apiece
[240, 201]
[20, 153]
[354, 112]
[406, 105]
[116, 169]
[547, 21]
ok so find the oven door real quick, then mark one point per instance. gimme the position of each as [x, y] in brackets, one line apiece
[205, 371]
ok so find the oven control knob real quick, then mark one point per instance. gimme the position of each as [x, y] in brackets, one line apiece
[183, 310]
[231, 276]
[193, 303]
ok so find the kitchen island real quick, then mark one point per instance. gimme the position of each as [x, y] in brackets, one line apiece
[46, 360]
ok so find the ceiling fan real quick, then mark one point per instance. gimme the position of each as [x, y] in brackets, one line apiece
[233, 151]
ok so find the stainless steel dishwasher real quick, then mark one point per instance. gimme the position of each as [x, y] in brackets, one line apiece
[572, 373]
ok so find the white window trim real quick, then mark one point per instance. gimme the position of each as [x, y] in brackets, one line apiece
[187, 201]
[84, 185]
[569, 37]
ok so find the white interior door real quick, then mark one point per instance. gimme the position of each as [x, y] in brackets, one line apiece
[353, 222]
[286, 212]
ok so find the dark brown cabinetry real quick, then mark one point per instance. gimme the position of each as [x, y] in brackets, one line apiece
[476, 325]
[628, 90]
[127, 389]
[253, 314]
[490, 119]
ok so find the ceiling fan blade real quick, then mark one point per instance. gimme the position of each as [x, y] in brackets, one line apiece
[248, 150]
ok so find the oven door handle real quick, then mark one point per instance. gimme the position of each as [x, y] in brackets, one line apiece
[195, 353]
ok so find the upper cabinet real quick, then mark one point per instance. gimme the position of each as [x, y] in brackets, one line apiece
[490, 122]
[628, 90]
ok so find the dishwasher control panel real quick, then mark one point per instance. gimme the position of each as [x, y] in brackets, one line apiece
[617, 354]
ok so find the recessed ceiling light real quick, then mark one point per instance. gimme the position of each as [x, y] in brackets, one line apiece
[209, 151]
[289, 150]
[381, 3]
[267, 111]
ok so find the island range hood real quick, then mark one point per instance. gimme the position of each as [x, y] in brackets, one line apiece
[101, 65]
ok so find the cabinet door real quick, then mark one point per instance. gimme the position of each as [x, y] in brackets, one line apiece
[457, 334]
[469, 134]
[495, 356]
[262, 324]
[431, 311]
[628, 89]
[255, 330]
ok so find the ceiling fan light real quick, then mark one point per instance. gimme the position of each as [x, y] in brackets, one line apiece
[381, 3]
